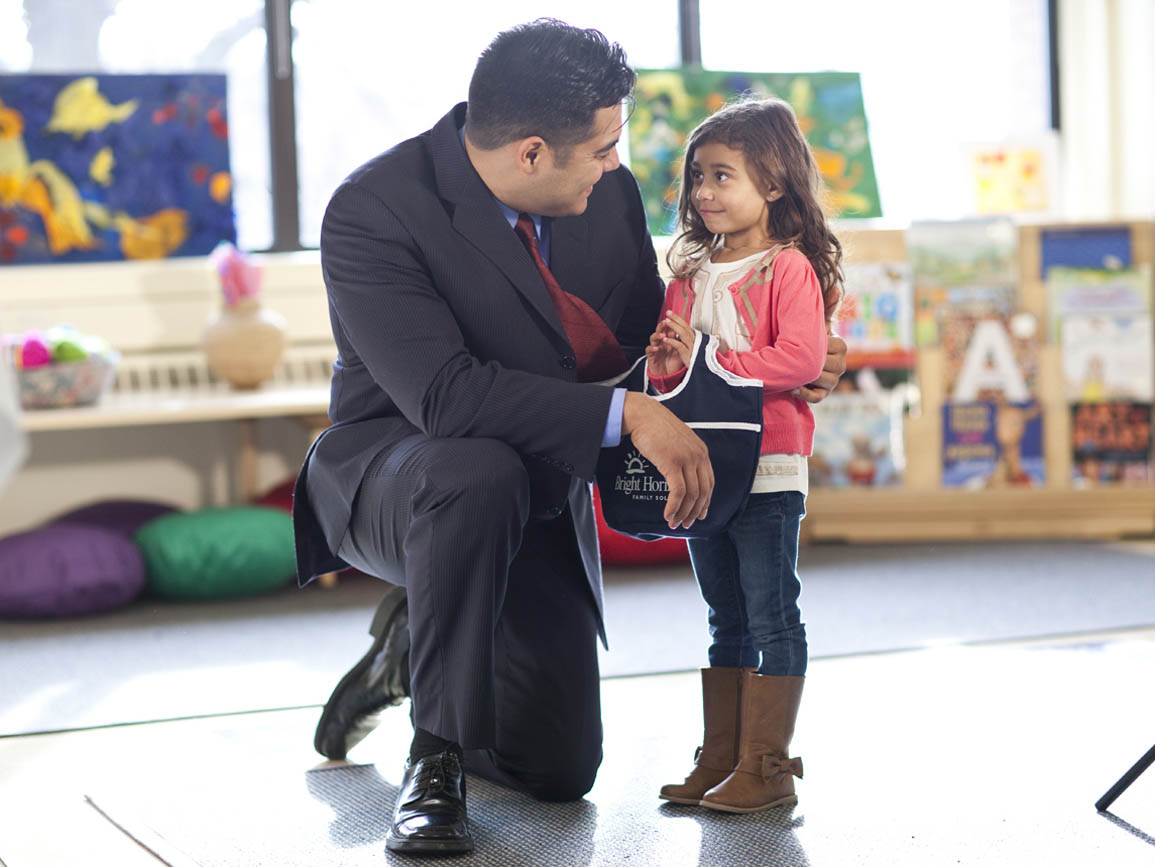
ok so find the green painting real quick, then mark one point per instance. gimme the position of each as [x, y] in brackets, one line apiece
[671, 102]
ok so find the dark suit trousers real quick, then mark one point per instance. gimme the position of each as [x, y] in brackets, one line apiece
[503, 627]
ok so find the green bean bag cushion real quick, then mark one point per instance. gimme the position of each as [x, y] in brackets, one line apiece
[218, 552]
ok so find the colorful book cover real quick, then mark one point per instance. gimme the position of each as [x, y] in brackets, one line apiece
[1110, 443]
[1082, 291]
[992, 444]
[964, 267]
[1103, 247]
[671, 102]
[99, 167]
[876, 317]
[858, 440]
[1107, 358]
[988, 357]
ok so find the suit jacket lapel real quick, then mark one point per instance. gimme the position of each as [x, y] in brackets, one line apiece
[569, 259]
[478, 219]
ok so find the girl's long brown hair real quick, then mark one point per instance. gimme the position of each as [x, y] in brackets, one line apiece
[767, 133]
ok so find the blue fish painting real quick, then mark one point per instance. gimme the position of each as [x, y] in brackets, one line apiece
[113, 167]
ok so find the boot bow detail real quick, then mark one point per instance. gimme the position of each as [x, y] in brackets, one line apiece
[773, 766]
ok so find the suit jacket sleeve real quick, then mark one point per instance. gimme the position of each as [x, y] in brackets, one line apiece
[405, 334]
[645, 305]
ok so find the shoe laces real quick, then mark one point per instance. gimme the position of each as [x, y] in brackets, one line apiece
[433, 771]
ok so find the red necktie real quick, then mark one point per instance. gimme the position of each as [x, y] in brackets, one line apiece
[598, 354]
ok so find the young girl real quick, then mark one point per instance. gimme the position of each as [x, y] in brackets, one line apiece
[758, 266]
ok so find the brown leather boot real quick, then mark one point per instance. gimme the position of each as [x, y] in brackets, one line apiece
[764, 777]
[715, 759]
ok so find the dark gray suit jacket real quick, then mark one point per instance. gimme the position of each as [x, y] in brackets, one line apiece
[444, 326]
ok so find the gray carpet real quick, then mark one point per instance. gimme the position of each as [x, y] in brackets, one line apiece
[335, 816]
[871, 598]
[162, 660]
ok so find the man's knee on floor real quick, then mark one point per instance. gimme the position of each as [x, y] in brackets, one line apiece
[562, 781]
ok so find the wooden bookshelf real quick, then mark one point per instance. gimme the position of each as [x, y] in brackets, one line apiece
[921, 509]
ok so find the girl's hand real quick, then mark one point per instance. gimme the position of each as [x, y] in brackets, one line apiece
[677, 335]
[661, 359]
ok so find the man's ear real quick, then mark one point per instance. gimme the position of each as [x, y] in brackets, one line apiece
[529, 153]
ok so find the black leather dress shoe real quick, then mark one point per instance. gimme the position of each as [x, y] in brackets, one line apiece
[430, 811]
[378, 681]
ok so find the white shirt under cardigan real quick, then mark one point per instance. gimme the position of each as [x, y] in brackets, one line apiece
[714, 313]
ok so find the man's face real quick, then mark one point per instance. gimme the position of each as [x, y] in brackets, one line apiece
[564, 191]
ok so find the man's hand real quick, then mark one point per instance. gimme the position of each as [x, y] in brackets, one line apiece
[678, 454]
[834, 368]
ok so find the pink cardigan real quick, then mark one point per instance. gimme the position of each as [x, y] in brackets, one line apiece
[780, 306]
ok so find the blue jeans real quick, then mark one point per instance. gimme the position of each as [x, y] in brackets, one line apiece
[749, 578]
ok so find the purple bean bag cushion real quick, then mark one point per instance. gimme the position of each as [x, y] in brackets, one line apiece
[123, 516]
[65, 569]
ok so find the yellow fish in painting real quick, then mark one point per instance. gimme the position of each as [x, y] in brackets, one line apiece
[154, 236]
[100, 169]
[40, 187]
[13, 156]
[81, 108]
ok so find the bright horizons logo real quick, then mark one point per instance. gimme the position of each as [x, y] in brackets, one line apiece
[636, 480]
[635, 463]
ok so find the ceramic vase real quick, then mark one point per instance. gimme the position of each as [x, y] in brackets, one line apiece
[244, 343]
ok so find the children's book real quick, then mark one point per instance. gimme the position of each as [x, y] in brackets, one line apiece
[858, 440]
[966, 267]
[1102, 247]
[1110, 443]
[992, 444]
[1082, 291]
[1107, 358]
[876, 317]
[988, 357]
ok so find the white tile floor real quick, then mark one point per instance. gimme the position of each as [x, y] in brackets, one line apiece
[988, 755]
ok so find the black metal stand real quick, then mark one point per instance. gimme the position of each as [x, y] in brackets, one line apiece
[1124, 781]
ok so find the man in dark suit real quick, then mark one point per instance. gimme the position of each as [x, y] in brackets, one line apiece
[481, 278]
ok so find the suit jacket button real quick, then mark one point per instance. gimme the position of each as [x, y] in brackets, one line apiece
[568, 362]
[555, 510]
[567, 467]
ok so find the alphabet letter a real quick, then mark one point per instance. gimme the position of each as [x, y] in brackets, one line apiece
[990, 364]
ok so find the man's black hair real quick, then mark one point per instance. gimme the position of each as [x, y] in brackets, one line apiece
[545, 78]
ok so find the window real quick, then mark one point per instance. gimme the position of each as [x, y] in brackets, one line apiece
[370, 74]
[935, 77]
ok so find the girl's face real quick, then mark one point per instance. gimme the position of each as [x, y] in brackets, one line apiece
[727, 197]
